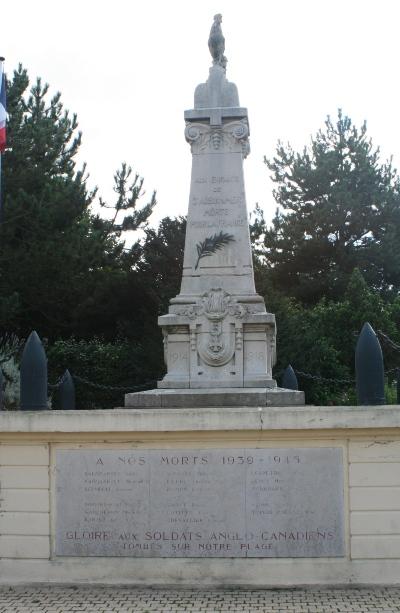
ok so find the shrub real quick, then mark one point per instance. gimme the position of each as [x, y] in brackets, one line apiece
[115, 364]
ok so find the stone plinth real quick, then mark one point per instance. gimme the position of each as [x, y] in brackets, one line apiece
[218, 397]
[366, 440]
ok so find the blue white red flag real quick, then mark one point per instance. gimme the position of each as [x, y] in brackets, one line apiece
[2, 110]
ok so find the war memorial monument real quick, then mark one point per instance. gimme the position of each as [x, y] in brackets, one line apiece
[219, 340]
[217, 477]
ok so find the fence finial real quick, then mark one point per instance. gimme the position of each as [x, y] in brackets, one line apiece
[370, 376]
[66, 392]
[33, 375]
[289, 379]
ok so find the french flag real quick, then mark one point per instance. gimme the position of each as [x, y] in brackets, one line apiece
[2, 109]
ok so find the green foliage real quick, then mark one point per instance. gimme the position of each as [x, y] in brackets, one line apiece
[56, 255]
[339, 210]
[391, 392]
[329, 262]
[133, 305]
[331, 259]
[116, 364]
[9, 365]
[257, 226]
[321, 339]
[128, 193]
[161, 262]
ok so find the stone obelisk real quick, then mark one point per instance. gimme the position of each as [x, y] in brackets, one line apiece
[218, 336]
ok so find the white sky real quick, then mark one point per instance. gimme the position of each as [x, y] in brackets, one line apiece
[129, 69]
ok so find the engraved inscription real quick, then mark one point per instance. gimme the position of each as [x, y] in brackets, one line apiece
[255, 356]
[200, 502]
[176, 356]
[209, 200]
[225, 179]
[213, 212]
[218, 180]
[218, 223]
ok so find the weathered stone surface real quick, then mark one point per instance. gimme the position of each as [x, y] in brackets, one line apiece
[28, 547]
[218, 397]
[200, 502]
[217, 333]
[113, 424]
[371, 436]
[217, 92]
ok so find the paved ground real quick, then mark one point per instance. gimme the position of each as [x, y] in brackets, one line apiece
[138, 600]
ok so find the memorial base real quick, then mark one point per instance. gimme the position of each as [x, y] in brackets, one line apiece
[287, 496]
[219, 397]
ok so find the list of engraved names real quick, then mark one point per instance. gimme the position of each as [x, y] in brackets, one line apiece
[200, 502]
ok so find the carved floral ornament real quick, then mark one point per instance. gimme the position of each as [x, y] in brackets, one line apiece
[215, 305]
[203, 137]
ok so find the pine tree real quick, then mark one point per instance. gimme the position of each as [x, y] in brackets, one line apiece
[339, 208]
[55, 253]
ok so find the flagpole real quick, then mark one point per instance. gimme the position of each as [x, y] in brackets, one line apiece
[1, 191]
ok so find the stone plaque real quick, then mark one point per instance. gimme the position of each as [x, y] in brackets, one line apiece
[200, 502]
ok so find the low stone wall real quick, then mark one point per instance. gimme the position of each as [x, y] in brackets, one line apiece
[368, 436]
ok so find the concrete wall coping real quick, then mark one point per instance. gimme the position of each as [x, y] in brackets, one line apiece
[202, 419]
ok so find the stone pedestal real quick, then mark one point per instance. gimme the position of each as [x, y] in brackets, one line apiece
[217, 333]
[218, 342]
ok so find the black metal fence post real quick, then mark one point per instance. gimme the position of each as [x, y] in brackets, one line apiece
[1, 389]
[289, 379]
[66, 392]
[33, 375]
[370, 375]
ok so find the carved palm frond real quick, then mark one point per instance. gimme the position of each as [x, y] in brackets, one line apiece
[212, 244]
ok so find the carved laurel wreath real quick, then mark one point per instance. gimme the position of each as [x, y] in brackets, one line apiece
[212, 244]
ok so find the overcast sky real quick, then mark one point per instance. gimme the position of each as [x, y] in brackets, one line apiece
[129, 69]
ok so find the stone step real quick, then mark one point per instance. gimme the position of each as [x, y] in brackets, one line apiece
[222, 397]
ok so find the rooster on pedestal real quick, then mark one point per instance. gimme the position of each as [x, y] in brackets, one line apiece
[216, 42]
